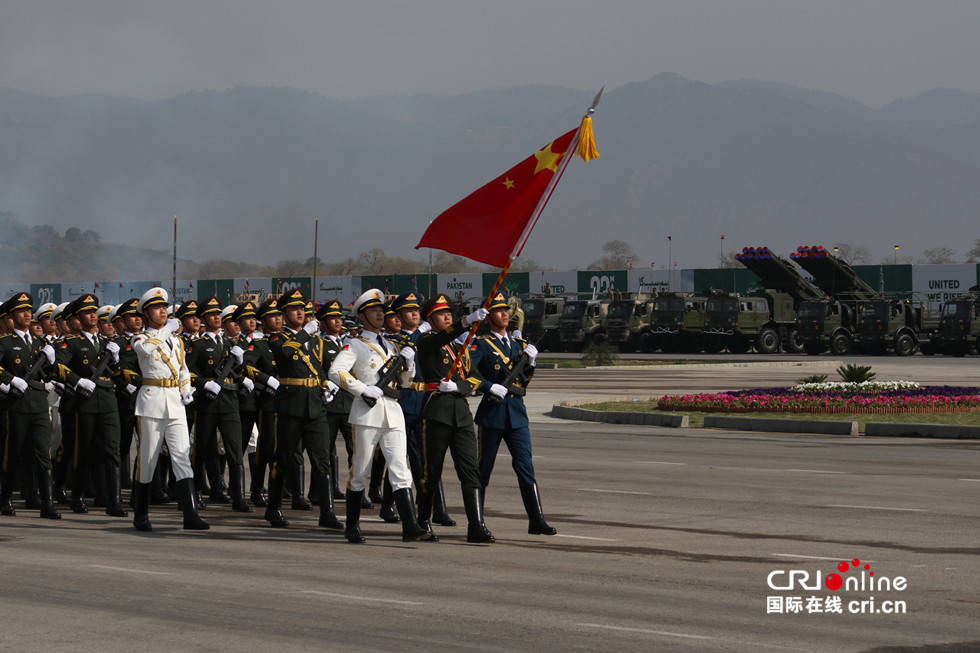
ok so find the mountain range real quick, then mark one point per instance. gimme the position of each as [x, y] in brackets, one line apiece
[248, 170]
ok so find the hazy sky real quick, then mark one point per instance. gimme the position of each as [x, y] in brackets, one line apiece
[872, 50]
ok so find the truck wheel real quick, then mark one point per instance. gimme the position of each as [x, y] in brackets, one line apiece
[904, 344]
[840, 344]
[648, 343]
[713, 344]
[793, 344]
[767, 342]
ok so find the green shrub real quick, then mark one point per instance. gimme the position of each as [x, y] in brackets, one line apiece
[813, 378]
[598, 354]
[856, 373]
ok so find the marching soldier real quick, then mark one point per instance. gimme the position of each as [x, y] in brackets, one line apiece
[27, 421]
[244, 318]
[377, 417]
[409, 309]
[299, 405]
[502, 415]
[212, 363]
[128, 380]
[263, 373]
[163, 393]
[106, 329]
[331, 320]
[84, 362]
[447, 422]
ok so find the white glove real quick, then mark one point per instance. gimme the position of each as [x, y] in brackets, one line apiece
[448, 386]
[332, 387]
[186, 398]
[247, 384]
[238, 353]
[172, 325]
[312, 327]
[212, 387]
[272, 383]
[131, 389]
[113, 349]
[327, 398]
[85, 384]
[48, 352]
[4, 388]
[18, 384]
[372, 392]
[408, 354]
[425, 327]
[532, 353]
[477, 316]
[498, 390]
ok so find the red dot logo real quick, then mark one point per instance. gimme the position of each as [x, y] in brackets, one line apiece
[842, 567]
[833, 581]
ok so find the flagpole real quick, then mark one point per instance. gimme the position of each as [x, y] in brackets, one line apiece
[316, 234]
[173, 290]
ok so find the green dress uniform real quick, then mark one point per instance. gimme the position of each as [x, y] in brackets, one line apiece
[300, 415]
[96, 416]
[447, 423]
[27, 422]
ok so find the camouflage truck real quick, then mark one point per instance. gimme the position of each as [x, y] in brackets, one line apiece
[676, 323]
[582, 322]
[959, 325]
[623, 321]
[541, 316]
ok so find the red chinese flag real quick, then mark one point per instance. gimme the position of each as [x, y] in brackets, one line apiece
[492, 224]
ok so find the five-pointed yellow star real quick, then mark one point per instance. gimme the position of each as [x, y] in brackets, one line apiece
[509, 183]
[547, 160]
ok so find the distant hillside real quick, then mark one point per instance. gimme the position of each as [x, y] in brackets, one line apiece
[249, 169]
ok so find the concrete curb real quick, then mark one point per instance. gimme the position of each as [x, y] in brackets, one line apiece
[620, 417]
[945, 431]
[678, 366]
[829, 427]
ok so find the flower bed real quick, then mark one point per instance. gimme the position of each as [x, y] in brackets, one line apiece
[928, 399]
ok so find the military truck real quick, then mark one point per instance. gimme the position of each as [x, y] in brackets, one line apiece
[582, 322]
[541, 315]
[897, 325]
[830, 322]
[622, 321]
[959, 325]
[676, 323]
[763, 319]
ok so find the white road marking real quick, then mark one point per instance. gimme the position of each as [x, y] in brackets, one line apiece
[132, 571]
[975, 480]
[360, 598]
[879, 508]
[686, 636]
[794, 555]
[590, 489]
[657, 462]
[814, 471]
[583, 537]
[648, 632]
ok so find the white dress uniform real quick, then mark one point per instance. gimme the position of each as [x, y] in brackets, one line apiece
[355, 368]
[159, 408]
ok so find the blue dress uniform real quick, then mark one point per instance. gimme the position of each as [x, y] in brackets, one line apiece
[28, 425]
[494, 355]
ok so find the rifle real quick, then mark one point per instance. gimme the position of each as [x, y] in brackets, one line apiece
[388, 372]
[516, 372]
[97, 371]
[227, 365]
[31, 376]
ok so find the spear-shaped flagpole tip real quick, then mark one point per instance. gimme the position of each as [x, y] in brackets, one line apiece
[586, 149]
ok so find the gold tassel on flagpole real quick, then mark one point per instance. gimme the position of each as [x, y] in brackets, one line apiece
[586, 141]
